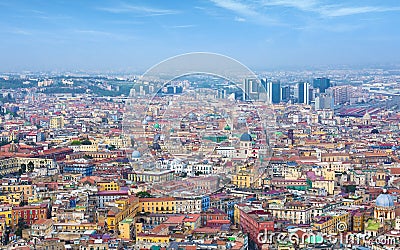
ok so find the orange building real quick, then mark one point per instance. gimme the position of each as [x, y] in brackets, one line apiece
[29, 214]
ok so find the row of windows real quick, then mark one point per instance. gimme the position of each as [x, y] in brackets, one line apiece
[17, 188]
[154, 241]
[161, 209]
[26, 217]
[30, 212]
[93, 248]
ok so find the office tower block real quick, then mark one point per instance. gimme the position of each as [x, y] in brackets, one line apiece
[285, 93]
[251, 90]
[303, 92]
[274, 92]
[324, 101]
[254, 90]
[322, 84]
[341, 94]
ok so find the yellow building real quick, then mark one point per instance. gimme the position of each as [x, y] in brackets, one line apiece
[334, 157]
[353, 200]
[328, 185]
[6, 213]
[125, 228]
[118, 142]
[2, 225]
[380, 178]
[292, 173]
[358, 222]
[11, 198]
[236, 214]
[126, 207]
[34, 200]
[165, 205]
[243, 178]
[108, 186]
[152, 238]
[334, 223]
[192, 221]
[57, 122]
[25, 190]
[94, 147]
[329, 174]
[138, 228]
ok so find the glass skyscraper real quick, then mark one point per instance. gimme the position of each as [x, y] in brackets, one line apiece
[303, 92]
[321, 83]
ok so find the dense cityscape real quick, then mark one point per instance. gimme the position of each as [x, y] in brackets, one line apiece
[199, 125]
[106, 162]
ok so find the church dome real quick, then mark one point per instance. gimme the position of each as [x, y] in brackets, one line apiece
[156, 126]
[242, 120]
[136, 154]
[227, 127]
[384, 200]
[367, 116]
[246, 137]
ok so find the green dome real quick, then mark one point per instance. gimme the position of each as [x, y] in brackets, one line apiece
[227, 127]
[157, 126]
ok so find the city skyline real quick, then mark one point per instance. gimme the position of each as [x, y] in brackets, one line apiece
[133, 36]
[203, 124]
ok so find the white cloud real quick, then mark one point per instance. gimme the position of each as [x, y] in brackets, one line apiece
[183, 26]
[240, 19]
[89, 33]
[324, 10]
[298, 4]
[236, 6]
[246, 11]
[335, 11]
[21, 32]
[93, 32]
[126, 8]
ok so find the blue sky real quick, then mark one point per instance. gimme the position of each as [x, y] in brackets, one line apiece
[134, 35]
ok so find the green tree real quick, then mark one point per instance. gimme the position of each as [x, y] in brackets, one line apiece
[76, 143]
[86, 142]
[143, 194]
[20, 226]
[31, 166]
[23, 168]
